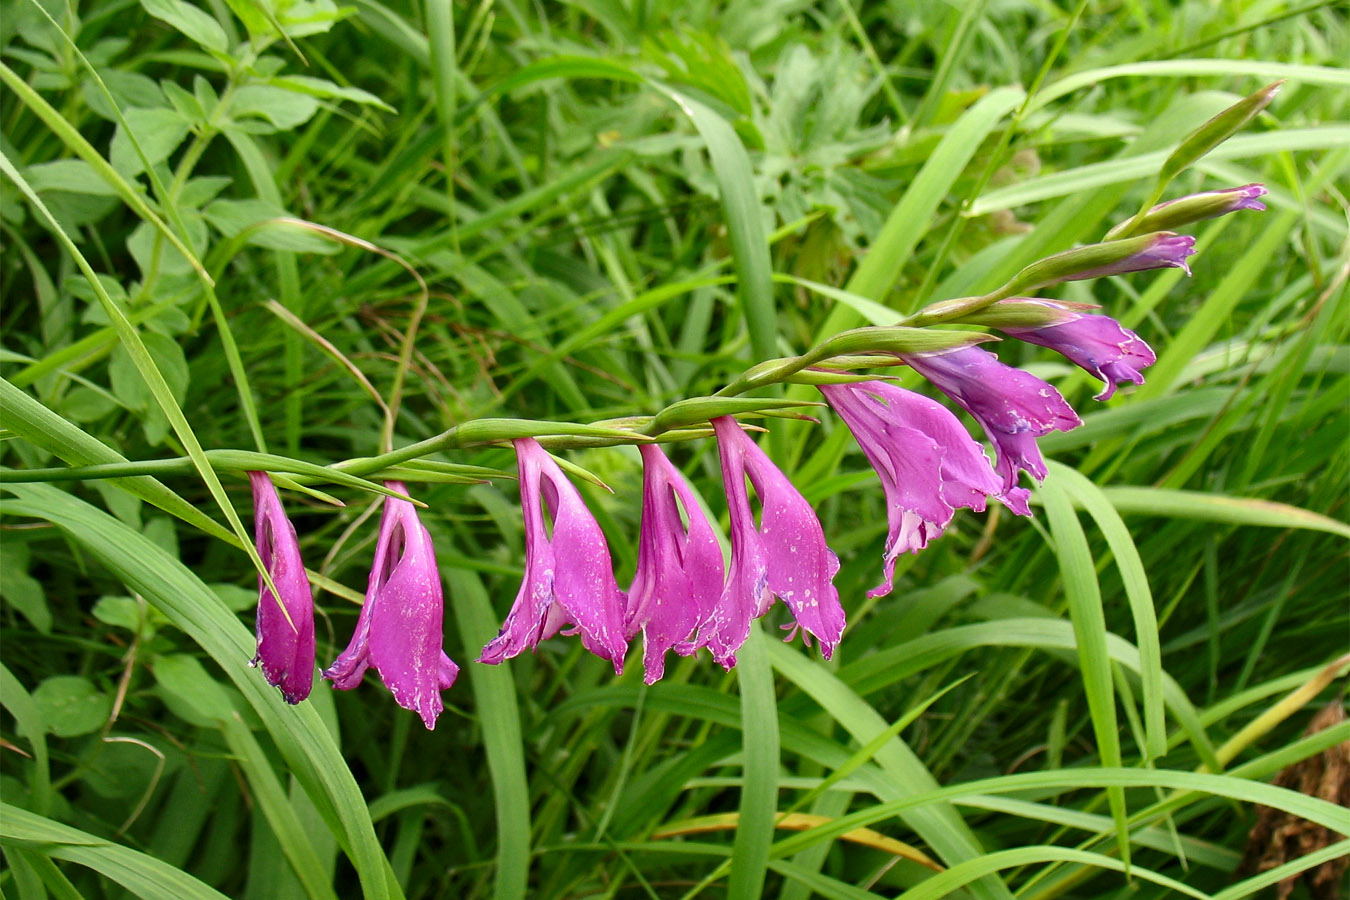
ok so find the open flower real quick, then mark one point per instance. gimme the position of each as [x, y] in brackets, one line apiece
[569, 578]
[1013, 407]
[679, 566]
[399, 630]
[286, 625]
[928, 464]
[1097, 344]
[785, 555]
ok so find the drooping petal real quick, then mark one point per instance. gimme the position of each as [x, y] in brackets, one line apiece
[285, 638]
[928, 464]
[1097, 344]
[399, 631]
[569, 578]
[1013, 407]
[784, 556]
[679, 566]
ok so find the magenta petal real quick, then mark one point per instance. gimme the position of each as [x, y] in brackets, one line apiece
[399, 630]
[928, 464]
[1097, 344]
[569, 578]
[1013, 407]
[285, 648]
[785, 555]
[679, 568]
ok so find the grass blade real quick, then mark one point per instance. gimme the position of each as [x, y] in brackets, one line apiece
[759, 792]
[310, 752]
[139, 873]
[941, 826]
[1088, 496]
[494, 692]
[1089, 629]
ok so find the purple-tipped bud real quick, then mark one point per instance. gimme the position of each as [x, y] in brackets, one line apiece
[1220, 202]
[1182, 211]
[679, 566]
[1097, 344]
[785, 555]
[569, 579]
[1013, 407]
[399, 631]
[1163, 250]
[285, 636]
[1160, 250]
[928, 464]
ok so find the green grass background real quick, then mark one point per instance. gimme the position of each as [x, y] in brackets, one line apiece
[605, 207]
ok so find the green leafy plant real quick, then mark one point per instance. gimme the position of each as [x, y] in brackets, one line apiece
[369, 244]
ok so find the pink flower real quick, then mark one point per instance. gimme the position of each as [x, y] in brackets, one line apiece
[568, 577]
[1097, 344]
[285, 639]
[399, 630]
[679, 566]
[1013, 407]
[928, 464]
[785, 555]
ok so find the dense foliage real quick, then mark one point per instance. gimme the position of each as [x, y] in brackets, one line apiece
[589, 212]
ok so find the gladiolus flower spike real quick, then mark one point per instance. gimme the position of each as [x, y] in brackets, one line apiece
[785, 555]
[569, 578]
[1097, 344]
[928, 464]
[679, 567]
[399, 631]
[285, 639]
[1013, 407]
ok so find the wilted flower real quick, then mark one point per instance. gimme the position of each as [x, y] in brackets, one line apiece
[785, 555]
[285, 638]
[1014, 408]
[679, 566]
[399, 630]
[928, 464]
[1097, 344]
[568, 577]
